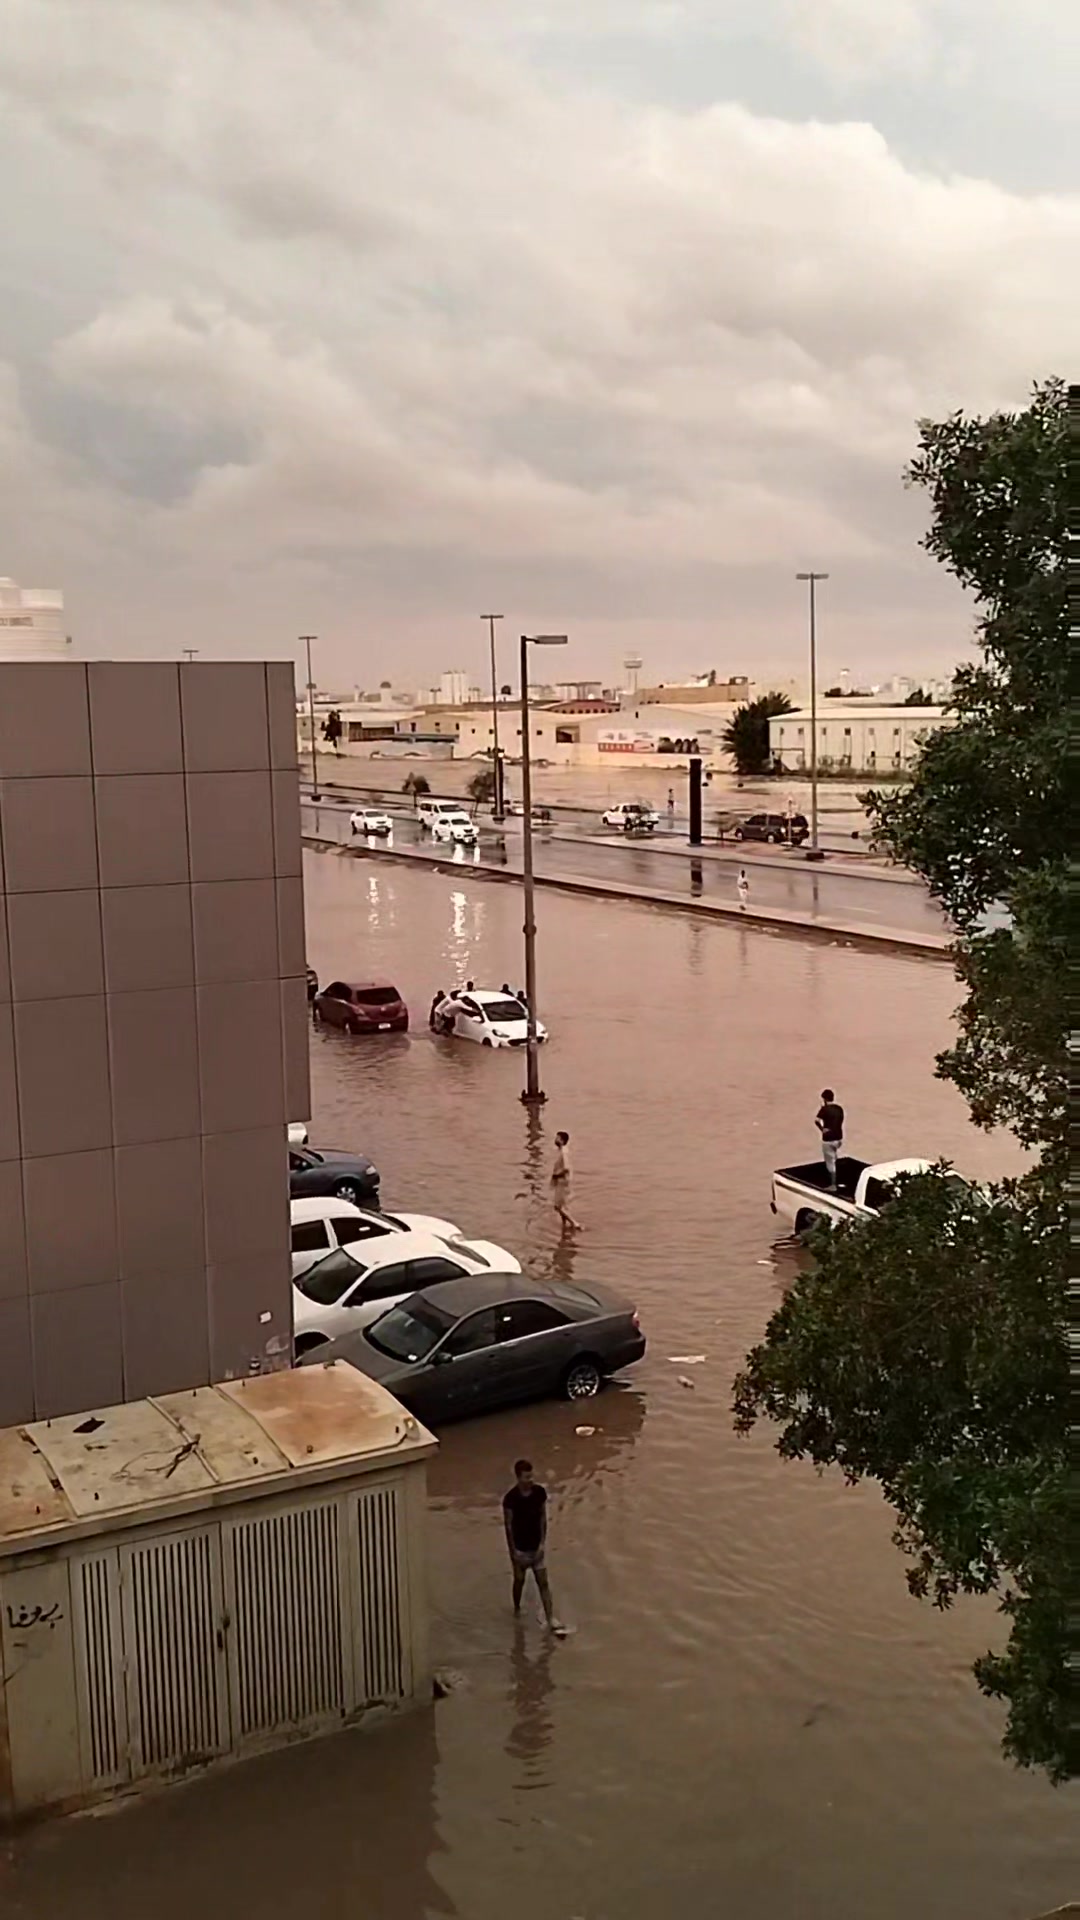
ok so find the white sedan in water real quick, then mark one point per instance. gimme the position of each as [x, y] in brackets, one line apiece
[366, 821]
[321, 1223]
[350, 1288]
[492, 1019]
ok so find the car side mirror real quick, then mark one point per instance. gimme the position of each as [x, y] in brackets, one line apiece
[441, 1358]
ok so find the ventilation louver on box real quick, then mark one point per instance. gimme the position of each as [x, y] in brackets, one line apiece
[98, 1643]
[380, 1593]
[175, 1650]
[283, 1586]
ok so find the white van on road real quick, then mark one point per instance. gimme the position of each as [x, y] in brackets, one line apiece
[428, 810]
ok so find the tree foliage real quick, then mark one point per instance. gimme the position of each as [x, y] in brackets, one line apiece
[746, 735]
[481, 788]
[416, 784]
[925, 1350]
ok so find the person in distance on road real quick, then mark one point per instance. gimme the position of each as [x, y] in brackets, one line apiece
[742, 888]
[433, 1015]
[830, 1125]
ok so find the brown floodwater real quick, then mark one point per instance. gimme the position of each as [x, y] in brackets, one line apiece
[751, 1716]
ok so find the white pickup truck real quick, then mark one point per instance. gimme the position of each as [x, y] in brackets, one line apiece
[801, 1196]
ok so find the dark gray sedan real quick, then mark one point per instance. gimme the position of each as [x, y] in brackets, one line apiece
[489, 1339]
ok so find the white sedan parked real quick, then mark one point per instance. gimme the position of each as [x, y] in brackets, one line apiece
[490, 1018]
[455, 827]
[351, 1287]
[365, 821]
[322, 1224]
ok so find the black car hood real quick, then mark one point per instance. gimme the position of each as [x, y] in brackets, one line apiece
[360, 1354]
[338, 1157]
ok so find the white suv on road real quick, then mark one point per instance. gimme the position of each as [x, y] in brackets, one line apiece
[455, 827]
[631, 813]
[428, 811]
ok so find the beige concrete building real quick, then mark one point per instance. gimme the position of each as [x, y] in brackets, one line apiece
[153, 1027]
[854, 736]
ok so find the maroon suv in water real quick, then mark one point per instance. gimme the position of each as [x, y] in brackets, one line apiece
[373, 1006]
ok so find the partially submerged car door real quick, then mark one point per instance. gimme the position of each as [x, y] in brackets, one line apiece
[461, 1370]
[536, 1345]
[469, 1021]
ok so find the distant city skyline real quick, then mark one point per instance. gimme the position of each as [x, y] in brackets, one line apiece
[635, 323]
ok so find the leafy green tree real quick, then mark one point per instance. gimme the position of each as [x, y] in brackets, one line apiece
[416, 784]
[926, 1349]
[746, 735]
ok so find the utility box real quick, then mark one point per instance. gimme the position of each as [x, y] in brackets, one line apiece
[192, 1578]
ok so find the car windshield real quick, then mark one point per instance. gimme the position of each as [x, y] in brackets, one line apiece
[325, 1282]
[500, 1011]
[409, 1332]
[377, 996]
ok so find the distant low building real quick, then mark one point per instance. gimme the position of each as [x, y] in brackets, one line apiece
[707, 692]
[854, 737]
[32, 623]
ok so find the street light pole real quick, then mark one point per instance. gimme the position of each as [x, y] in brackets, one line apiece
[497, 808]
[306, 641]
[532, 1095]
[814, 851]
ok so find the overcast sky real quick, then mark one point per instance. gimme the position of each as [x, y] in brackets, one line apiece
[362, 317]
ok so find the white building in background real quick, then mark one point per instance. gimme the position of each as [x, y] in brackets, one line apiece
[452, 690]
[855, 737]
[32, 623]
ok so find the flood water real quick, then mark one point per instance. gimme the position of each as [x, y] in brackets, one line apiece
[751, 1716]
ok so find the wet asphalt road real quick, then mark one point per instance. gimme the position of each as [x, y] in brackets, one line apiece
[852, 898]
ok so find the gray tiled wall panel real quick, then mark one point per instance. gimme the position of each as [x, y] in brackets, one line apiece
[153, 1026]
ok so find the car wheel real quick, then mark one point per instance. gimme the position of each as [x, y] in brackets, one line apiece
[351, 1026]
[485, 1042]
[348, 1190]
[308, 1342]
[770, 839]
[583, 1380]
[738, 834]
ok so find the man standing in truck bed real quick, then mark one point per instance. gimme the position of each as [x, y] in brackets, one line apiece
[830, 1125]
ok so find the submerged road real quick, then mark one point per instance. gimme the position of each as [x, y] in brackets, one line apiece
[752, 1717]
[777, 880]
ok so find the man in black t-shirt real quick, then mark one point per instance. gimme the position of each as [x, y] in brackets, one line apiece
[830, 1125]
[525, 1521]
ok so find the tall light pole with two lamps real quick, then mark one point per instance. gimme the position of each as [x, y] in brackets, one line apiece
[306, 641]
[813, 852]
[497, 809]
[532, 1095]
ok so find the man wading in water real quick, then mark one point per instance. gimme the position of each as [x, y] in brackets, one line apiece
[562, 1186]
[525, 1521]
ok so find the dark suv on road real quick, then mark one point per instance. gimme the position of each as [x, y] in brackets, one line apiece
[779, 829]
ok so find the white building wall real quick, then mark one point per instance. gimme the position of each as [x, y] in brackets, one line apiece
[852, 738]
[31, 623]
